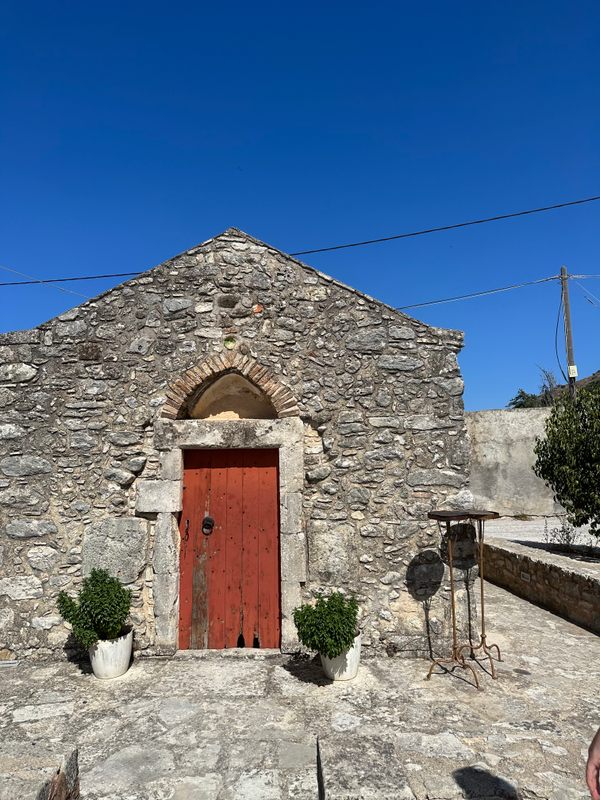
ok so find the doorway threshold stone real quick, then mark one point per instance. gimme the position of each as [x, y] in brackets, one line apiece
[253, 653]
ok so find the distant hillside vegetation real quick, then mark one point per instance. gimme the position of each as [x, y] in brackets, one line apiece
[549, 391]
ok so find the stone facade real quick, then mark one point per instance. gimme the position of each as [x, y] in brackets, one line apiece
[369, 423]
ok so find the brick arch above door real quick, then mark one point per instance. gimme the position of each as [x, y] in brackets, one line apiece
[214, 367]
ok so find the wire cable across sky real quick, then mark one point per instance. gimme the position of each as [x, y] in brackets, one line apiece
[456, 225]
[478, 294]
[32, 281]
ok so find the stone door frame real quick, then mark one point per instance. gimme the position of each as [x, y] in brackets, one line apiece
[162, 497]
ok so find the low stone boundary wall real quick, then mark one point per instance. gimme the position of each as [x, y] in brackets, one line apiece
[561, 583]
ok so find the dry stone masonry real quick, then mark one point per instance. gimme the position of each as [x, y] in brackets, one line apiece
[94, 415]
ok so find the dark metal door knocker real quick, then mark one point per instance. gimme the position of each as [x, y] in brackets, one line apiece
[208, 524]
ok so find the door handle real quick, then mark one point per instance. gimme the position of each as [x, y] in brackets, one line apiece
[208, 524]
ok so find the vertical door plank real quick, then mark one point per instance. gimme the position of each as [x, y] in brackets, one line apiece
[194, 493]
[186, 565]
[268, 567]
[251, 544]
[217, 563]
[200, 497]
[233, 545]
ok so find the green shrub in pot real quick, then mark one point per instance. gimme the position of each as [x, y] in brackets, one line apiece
[329, 626]
[100, 611]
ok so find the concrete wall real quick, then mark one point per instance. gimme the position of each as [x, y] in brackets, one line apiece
[502, 478]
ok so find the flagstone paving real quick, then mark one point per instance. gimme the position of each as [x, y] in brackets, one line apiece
[210, 727]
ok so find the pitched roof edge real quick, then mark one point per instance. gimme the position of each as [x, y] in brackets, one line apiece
[95, 298]
[453, 335]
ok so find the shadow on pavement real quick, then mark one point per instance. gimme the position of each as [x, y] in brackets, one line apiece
[307, 670]
[479, 784]
[77, 655]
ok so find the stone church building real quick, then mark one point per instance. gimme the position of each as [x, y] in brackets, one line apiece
[228, 433]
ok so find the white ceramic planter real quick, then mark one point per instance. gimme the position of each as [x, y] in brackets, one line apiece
[110, 657]
[345, 666]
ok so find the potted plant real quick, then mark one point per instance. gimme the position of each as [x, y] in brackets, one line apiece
[98, 621]
[330, 627]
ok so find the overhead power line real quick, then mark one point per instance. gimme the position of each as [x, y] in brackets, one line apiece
[589, 296]
[479, 294]
[560, 306]
[36, 280]
[456, 225]
[408, 235]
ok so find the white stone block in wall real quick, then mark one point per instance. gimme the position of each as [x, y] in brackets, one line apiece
[171, 465]
[154, 497]
[21, 587]
[293, 557]
[118, 545]
[291, 513]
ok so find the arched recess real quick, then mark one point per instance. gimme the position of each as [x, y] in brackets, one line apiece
[231, 396]
[184, 394]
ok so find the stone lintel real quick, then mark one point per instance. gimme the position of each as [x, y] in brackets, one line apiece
[239, 433]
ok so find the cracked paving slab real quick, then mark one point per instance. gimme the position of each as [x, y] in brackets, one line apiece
[215, 728]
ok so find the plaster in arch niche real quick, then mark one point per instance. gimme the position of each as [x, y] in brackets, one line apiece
[232, 397]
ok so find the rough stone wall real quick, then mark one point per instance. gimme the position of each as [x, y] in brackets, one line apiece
[502, 457]
[379, 395]
[564, 584]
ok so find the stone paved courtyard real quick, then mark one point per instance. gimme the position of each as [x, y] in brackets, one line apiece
[237, 728]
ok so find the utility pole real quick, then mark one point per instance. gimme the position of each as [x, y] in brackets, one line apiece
[571, 368]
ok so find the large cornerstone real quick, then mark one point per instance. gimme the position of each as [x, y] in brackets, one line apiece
[232, 347]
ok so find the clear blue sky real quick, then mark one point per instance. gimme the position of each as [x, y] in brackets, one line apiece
[132, 131]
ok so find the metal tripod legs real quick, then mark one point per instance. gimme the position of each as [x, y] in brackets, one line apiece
[456, 659]
[482, 645]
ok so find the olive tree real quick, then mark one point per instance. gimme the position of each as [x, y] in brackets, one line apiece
[568, 456]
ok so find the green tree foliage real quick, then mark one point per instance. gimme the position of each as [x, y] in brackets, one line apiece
[102, 608]
[549, 390]
[524, 399]
[568, 457]
[329, 626]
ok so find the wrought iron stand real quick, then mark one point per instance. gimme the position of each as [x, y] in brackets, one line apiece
[483, 645]
[457, 658]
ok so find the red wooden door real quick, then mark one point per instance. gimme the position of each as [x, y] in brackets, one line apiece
[229, 582]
